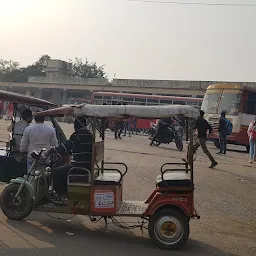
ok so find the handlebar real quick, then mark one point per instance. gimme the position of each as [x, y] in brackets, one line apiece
[117, 163]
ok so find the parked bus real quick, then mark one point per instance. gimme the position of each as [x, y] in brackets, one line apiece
[112, 98]
[240, 104]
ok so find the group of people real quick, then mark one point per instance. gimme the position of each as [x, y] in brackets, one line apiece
[125, 126]
[204, 129]
[28, 137]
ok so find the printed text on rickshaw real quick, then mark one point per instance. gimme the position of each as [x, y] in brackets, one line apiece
[104, 200]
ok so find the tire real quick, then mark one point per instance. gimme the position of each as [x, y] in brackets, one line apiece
[248, 148]
[179, 225]
[216, 143]
[156, 143]
[179, 144]
[8, 205]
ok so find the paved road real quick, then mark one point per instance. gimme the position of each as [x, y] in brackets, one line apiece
[224, 197]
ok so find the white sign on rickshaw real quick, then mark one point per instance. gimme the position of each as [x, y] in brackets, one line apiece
[104, 200]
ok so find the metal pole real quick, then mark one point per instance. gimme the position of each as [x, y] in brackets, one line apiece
[103, 139]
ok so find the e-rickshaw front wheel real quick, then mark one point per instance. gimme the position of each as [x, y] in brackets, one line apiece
[169, 228]
[16, 208]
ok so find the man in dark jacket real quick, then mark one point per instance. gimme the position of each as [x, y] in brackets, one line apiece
[222, 133]
[202, 127]
[80, 146]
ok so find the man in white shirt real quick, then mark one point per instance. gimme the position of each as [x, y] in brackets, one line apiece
[36, 137]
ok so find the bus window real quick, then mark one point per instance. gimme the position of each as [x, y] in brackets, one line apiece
[142, 100]
[178, 102]
[152, 101]
[191, 103]
[128, 100]
[107, 97]
[117, 98]
[251, 103]
[97, 97]
[165, 101]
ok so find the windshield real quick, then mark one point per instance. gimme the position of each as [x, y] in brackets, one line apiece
[230, 103]
[211, 102]
[216, 102]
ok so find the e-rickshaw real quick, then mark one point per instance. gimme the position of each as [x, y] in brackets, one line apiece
[99, 193]
[11, 166]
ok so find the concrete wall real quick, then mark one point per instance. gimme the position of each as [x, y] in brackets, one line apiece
[175, 84]
[68, 80]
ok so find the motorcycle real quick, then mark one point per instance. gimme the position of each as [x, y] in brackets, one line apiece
[172, 133]
[35, 188]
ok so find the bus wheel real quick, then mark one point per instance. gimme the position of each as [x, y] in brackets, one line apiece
[248, 148]
[216, 143]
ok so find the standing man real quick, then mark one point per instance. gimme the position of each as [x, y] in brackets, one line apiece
[36, 137]
[127, 126]
[119, 127]
[202, 127]
[222, 133]
[19, 128]
[252, 139]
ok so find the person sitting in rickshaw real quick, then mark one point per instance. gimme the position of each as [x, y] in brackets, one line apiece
[18, 131]
[80, 146]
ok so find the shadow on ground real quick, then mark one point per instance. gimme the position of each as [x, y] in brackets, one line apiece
[89, 241]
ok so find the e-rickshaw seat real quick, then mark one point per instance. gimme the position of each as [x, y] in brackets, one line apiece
[174, 179]
[108, 178]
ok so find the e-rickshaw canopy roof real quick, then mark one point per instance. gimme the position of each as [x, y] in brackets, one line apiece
[24, 99]
[124, 111]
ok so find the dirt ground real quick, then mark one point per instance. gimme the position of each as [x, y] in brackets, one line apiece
[224, 197]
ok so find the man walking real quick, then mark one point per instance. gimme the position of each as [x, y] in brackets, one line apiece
[222, 133]
[36, 137]
[202, 127]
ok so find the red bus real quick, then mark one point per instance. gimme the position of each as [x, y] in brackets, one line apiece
[112, 98]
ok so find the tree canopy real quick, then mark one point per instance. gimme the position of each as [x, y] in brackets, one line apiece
[11, 71]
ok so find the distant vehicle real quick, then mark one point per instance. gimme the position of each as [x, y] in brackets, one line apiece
[240, 104]
[142, 99]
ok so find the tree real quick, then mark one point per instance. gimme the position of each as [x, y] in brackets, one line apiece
[10, 71]
[86, 70]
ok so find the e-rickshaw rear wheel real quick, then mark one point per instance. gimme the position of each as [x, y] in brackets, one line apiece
[16, 208]
[169, 228]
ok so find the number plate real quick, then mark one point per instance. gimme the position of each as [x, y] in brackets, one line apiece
[104, 200]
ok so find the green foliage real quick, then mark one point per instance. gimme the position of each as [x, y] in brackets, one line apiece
[86, 69]
[10, 71]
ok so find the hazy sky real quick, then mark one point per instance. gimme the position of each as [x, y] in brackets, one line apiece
[135, 40]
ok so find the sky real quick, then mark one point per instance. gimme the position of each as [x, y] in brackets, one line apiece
[135, 40]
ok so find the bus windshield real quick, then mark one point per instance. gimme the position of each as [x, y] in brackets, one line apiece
[216, 101]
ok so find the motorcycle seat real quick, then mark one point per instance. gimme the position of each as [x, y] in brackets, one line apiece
[174, 179]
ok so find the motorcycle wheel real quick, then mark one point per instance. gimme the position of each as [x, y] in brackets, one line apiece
[179, 144]
[16, 208]
[156, 143]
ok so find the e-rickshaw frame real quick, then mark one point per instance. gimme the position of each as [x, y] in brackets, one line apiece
[179, 198]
